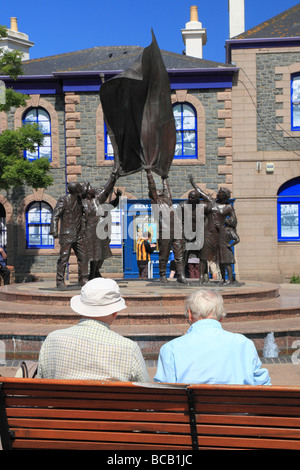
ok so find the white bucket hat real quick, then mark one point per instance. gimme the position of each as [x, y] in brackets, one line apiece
[98, 298]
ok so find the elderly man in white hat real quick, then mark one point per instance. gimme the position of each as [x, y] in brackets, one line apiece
[90, 350]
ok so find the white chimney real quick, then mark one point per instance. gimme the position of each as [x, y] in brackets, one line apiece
[236, 10]
[194, 36]
[16, 40]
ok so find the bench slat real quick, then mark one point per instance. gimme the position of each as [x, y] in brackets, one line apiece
[249, 420]
[101, 415]
[279, 410]
[159, 438]
[173, 428]
[278, 433]
[219, 442]
[153, 416]
[97, 404]
[77, 445]
[157, 427]
[95, 395]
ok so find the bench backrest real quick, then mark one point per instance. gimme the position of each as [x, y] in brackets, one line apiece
[88, 415]
[243, 417]
[84, 415]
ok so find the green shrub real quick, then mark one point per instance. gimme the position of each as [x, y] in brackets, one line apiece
[295, 279]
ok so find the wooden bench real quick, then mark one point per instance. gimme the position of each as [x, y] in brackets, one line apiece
[90, 415]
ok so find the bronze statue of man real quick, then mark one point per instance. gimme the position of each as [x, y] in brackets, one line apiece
[98, 218]
[216, 210]
[69, 212]
[166, 239]
[191, 217]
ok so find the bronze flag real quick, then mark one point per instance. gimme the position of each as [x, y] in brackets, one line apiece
[139, 115]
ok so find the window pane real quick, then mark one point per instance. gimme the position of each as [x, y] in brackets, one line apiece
[45, 217]
[296, 89]
[43, 115]
[177, 110]
[289, 218]
[189, 136]
[189, 149]
[296, 115]
[178, 149]
[34, 235]
[45, 152]
[178, 122]
[34, 215]
[31, 116]
[38, 225]
[44, 127]
[189, 122]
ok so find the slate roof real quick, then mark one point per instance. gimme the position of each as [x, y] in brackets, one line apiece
[112, 58]
[286, 24]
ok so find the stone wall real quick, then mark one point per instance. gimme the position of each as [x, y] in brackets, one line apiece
[260, 110]
[78, 155]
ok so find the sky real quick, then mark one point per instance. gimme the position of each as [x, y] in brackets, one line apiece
[58, 26]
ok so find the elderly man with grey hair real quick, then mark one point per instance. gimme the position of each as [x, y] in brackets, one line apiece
[207, 353]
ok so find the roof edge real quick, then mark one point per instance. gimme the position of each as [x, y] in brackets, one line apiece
[247, 43]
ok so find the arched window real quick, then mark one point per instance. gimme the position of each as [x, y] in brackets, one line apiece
[295, 98]
[186, 131]
[288, 208]
[41, 117]
[38, 219]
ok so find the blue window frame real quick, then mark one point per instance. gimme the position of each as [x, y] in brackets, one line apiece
[40, 117]
[288, 209]
[295, 102]
[38, 219]
[108, 150]
[186, 131]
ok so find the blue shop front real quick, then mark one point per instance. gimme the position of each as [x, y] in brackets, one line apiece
[138, 218]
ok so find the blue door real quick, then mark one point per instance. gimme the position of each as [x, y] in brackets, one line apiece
[138, 220]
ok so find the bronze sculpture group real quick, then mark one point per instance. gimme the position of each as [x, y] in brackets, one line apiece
[83, 212]
[140, 122]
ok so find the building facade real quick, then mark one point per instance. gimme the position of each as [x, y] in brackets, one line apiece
[266, 147]
[237, 126]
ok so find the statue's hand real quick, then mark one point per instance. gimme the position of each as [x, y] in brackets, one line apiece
[116, 172]
[118, 192]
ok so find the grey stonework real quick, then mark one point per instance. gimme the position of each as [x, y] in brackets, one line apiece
[135, 184]
[268, 138]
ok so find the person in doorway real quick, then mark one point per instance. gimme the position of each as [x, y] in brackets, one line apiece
[4, 271]
[144, 249]
[90, 350]
[208, 353]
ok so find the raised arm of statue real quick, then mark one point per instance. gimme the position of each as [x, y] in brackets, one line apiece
[115, 202]
[166, 189]
[103, 193]
[151, 186]
[205, 196]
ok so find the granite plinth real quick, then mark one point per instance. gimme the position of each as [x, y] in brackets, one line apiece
[138, 293]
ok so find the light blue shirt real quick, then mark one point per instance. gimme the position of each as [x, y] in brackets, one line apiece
[209, 354]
